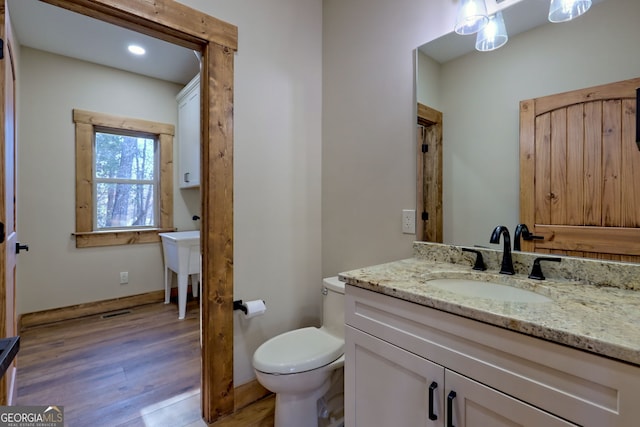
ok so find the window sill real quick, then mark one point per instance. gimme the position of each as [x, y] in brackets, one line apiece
[92, 239]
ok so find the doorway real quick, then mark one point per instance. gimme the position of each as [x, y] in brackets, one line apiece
[429, 175]
[173, 22]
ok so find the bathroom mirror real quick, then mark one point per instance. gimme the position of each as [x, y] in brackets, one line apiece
[478, 94]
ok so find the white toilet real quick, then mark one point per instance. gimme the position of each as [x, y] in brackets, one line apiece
[298, 365]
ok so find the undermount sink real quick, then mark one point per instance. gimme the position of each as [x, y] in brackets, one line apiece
[489, 290]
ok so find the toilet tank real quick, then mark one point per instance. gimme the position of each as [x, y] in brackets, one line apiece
[333, 306]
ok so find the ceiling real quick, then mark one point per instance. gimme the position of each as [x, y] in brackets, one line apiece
[41, 26]
[519, 16]
[49, 28]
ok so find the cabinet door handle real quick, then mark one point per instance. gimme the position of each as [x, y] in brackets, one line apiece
[186, 177]
[452, 395]
[432, 388]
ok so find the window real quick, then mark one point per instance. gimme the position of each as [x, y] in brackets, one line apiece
[124, 179]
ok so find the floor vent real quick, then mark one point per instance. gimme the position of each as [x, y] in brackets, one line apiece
[115, 314]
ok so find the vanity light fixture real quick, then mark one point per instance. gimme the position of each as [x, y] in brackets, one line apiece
[493, 35]
[566, 10]
[136, 49]
[471, 17]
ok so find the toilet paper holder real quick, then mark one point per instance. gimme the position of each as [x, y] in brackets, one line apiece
[238, 305]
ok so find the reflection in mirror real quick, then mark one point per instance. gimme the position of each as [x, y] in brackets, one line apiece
[479, 94]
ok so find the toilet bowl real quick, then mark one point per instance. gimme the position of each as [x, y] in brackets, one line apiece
[298, 365]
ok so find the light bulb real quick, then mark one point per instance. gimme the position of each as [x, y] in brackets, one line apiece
[566, 10]
[471, 16]
[493, 35]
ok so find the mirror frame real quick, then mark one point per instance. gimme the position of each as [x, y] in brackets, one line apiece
[173, 22]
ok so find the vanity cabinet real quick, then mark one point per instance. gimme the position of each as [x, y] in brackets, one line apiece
[189, 134]
[395, 387]
[404, 360]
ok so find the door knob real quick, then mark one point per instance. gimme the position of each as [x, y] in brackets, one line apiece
[20, 247]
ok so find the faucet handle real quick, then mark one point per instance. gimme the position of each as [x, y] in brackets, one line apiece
[528, 236]
[536, 270]
[479, 263]
[522, 231]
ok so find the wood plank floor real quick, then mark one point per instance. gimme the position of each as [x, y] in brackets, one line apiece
[139, 369]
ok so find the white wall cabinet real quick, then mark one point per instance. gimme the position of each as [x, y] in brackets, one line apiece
[189, 134]
[404, 360]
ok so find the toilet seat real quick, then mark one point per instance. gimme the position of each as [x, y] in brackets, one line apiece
[297, 351]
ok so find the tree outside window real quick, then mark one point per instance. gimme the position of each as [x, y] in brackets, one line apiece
[125, 180]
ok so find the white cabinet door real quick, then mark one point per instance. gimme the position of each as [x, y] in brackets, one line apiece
[189, 134]
[476, 405]
[387, 386]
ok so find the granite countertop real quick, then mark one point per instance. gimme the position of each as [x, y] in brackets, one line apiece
[596, 315]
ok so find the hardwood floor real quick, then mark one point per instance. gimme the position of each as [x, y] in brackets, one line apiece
[124, 370]
[137, 369]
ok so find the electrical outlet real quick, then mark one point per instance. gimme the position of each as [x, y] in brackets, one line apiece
[409, 221]
[124, 277]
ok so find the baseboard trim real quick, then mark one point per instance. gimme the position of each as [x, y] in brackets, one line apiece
[259, 414]
[39, 318]
[248, 393]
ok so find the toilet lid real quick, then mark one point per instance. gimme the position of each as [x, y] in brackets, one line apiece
[297, 351]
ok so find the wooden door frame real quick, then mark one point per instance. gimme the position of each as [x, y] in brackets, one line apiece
[429, 185]
[218, 41]
[8, 325]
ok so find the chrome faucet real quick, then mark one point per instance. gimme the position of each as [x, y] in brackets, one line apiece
[507, 263]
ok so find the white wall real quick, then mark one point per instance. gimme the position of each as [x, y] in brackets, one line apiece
[481, 107]
[54, 273]
[429, 89]
[277, 140]
[368, 154]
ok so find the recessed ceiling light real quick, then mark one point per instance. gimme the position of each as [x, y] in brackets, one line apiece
[136, 50]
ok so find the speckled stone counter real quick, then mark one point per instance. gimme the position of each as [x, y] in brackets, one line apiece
[595, 304]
